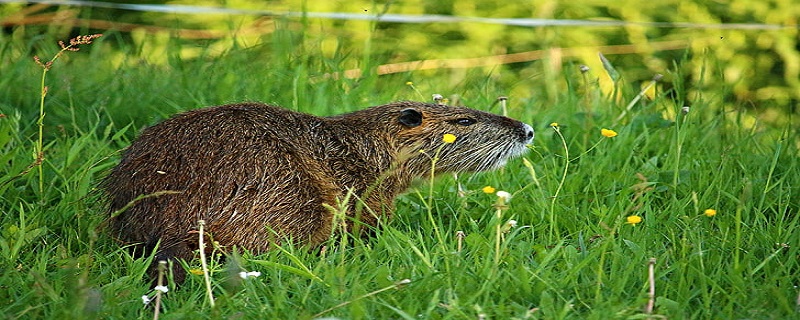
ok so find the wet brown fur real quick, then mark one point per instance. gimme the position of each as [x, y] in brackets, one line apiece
[248, 169]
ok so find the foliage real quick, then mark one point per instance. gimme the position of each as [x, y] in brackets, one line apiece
[760, 65]
[575, 251]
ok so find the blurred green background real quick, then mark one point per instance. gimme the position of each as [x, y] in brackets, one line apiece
[732, 53]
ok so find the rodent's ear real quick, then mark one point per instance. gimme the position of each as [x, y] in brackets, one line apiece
[410, 117]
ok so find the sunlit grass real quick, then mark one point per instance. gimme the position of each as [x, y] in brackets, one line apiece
[715, 206]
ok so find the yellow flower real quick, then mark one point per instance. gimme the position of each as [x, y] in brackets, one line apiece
[633, 220]
[554, 124]
[196, 272]
[448, 138]
[409, 83]
[710, 212]
[488, 189]
[608, 133]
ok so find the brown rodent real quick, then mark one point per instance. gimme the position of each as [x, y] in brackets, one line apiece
[259, 174]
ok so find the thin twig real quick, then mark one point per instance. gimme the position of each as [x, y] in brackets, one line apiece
[652, 278]
[162, 267]
[460, 236]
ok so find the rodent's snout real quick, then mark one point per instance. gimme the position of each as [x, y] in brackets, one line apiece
[527, 133]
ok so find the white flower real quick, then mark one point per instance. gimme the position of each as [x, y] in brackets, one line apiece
[163, 289]
[145, 299]
[512, 223]
[245, 275]
[504, 195]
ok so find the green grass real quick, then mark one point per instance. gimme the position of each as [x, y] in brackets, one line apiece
[571, 256]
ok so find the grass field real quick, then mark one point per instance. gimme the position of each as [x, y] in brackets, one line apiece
[573, 252]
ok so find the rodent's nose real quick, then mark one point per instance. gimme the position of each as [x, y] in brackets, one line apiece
[528, 131]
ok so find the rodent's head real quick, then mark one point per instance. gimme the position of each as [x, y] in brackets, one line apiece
[483, 141]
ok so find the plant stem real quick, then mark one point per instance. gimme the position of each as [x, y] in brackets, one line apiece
[206, 278]
[560, 183]
[38, 153]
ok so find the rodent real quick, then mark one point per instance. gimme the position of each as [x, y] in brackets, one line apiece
[259, 174]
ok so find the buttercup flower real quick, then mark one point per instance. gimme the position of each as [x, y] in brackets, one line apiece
[554, 124]
[633, 220]
[409, 83]
[710, 212]
[448, 138]
[608, 133]
[488, 189]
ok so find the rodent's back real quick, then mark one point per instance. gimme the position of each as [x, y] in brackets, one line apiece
[225, 163]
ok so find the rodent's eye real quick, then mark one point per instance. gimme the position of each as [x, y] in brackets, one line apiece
[464, 121]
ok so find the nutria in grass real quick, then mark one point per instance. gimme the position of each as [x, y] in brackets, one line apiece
[259, 174]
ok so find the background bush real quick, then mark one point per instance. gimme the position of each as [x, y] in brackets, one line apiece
[759, 66]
